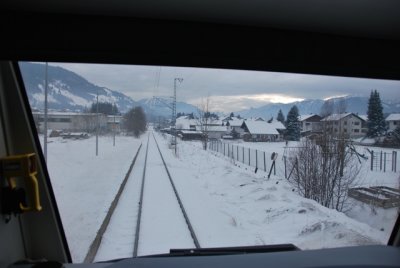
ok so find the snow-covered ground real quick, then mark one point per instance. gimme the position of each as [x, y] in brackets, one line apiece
[379, 218]
[85, 184]
[228, 203]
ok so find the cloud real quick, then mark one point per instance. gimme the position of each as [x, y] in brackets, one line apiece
[231, 89]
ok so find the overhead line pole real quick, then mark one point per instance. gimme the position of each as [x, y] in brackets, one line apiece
[45, 115]
[97, 125]
[174, 111]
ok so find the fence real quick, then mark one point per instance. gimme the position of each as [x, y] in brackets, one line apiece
[248, 156]
[381, 161]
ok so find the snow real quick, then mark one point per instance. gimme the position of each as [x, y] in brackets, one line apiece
[261, 127]
[75, 100]
[335, 117]
[227, 203]
[393, 117]
[305, 117]
[85, 185]
[230, 205]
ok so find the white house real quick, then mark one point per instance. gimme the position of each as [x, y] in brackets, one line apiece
[348, 124]
[393, 121]
[310, 123]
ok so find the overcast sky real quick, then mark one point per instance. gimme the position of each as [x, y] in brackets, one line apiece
[228, 89]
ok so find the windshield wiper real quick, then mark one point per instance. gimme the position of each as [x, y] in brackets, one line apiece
[217, 251]
[227, 250]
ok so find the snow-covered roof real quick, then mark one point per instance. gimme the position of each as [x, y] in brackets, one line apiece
[335, 117]
[277, 124]
[184, 122]
[261, 127]
[190, 132]
[56, 113]
[393, 117]
[305, 116]
[217, 128]
[363, 117]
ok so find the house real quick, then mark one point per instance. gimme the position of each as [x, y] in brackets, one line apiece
[259, 131]
[190, 135]
[186, 123]
[214, 132]
[71, 121]
[309, 124]
[393, 121]
[234, 125]
[349, 124]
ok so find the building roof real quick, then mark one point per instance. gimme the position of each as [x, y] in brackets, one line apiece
[190, 132]
[183, 122]
[306, 116]
[393, 117]
[363, 117]
[261, 127]
[235, 122]
[214, 128]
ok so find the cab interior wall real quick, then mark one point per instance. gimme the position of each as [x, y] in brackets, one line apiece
[32, 234]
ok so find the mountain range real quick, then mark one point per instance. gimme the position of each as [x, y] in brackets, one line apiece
[69, 91]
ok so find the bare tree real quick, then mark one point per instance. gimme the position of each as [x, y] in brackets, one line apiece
[341, 106]
[327, 108]
[324, 170]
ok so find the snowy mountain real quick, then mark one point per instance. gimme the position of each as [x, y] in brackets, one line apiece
[67, 90]
[358, 105]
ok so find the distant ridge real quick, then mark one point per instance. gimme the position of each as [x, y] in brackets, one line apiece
[67, 90]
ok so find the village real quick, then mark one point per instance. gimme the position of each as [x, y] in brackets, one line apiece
[188, 127]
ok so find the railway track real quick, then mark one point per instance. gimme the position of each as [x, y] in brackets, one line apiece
[158, 204]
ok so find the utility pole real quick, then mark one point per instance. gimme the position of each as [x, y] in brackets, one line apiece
[45, 114]
[114, 126]
[174, 111]
[97, 125]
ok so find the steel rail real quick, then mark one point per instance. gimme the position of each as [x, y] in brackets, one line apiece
[137, 232]
[91, 254]
[192, 233]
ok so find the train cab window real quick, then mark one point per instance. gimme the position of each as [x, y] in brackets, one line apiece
[144, 159]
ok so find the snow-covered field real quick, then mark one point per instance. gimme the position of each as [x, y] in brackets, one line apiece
[85, 184]
[228, 203]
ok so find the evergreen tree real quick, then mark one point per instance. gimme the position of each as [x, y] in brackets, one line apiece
[135, 121]
[104, 108]
[280, 117]
[293, 124]
[232, 115]
[376, 121]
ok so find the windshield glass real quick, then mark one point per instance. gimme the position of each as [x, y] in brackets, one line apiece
[144, 159]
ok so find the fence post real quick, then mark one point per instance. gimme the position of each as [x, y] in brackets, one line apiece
[256, 159]
[243, 154]
[284, 162]
[249, 158]
[384, 162]
[265, 164]
[237, 152]
[392, 160]
[372, 160]
[380, 162]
